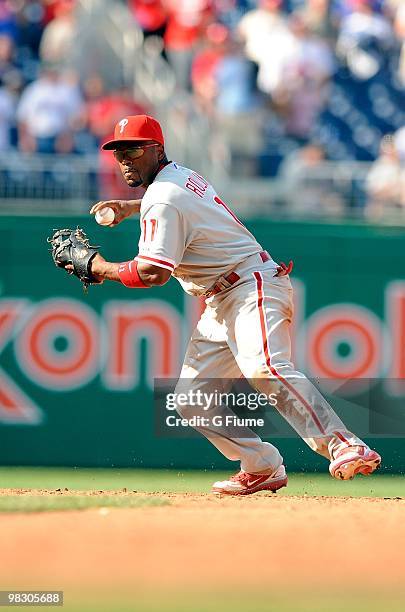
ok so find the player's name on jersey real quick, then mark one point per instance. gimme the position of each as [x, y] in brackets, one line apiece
[215, 421]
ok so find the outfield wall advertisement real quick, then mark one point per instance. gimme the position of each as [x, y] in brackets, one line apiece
[77, 370]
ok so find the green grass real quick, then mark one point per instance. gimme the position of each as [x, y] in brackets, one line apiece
[245, 601]
[165, 481]
[46, 503]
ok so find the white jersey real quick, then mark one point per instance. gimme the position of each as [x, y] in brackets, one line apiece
[187, 229]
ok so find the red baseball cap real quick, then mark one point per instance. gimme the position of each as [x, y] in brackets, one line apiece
[135, 127]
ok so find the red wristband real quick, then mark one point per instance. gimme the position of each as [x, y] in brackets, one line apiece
[128, 273]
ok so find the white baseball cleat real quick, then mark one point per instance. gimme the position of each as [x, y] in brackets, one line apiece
[244, 483]
[354, 460]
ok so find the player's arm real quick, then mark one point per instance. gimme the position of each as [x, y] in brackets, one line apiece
[161, 247]
[149, 274]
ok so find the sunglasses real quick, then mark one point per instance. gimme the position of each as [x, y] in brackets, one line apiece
[132, 153]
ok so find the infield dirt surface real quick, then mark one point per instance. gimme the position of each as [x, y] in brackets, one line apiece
[268, 544]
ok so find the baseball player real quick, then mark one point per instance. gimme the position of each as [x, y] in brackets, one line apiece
[189, 232]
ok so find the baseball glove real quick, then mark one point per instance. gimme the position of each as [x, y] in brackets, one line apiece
[72, 248]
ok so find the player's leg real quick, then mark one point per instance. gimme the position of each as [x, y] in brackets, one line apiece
[262, 348]
[210, 366]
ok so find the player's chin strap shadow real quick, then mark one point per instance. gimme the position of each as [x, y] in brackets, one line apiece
[283, 269]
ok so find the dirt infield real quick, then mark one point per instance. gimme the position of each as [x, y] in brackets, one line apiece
[203, 539]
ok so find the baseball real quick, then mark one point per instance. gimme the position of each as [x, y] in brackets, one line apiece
[105, 216]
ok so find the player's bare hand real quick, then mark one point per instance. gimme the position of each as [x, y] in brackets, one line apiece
[122, 209]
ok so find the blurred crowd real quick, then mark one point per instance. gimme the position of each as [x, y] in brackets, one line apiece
[45, 105]
[289, 84]
[266, 73]
[385, 185]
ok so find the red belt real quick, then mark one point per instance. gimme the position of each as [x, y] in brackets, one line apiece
[227, 281]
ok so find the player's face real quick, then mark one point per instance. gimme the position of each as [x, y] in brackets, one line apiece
[139, 162]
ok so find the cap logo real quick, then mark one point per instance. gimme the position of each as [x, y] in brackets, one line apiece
[122, 125]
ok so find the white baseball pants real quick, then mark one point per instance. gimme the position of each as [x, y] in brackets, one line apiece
[244, 330]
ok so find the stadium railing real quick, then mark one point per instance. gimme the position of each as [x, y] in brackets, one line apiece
[69, 184]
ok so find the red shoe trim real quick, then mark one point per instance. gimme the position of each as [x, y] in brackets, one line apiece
[369, 460]
[269, 486]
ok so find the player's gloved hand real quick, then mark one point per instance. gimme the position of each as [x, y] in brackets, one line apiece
[283, 269]
[71, 250]
[122, 209]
